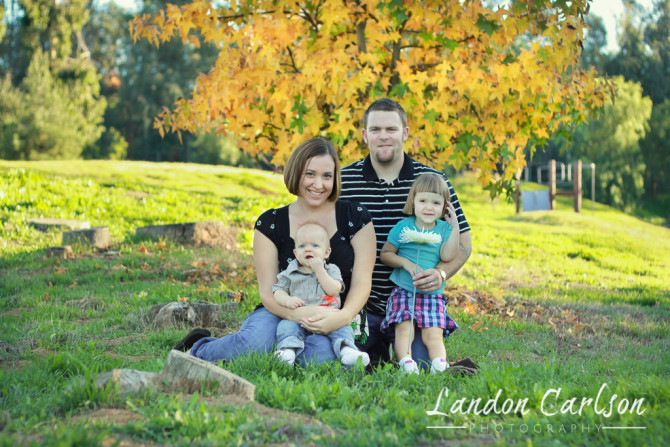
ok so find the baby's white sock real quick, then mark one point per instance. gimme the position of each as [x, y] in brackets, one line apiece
[438, 365]
[351, 355]
[286, 355]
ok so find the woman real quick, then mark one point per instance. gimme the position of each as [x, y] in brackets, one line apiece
[312, 174]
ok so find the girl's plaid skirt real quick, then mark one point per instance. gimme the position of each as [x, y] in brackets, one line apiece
[429, 311]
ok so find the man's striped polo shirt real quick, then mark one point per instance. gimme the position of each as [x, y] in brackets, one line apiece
[385, 202]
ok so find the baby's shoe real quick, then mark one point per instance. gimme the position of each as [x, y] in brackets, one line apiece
[286, 356]
[438, 365]
[351, 355]
[408, 366]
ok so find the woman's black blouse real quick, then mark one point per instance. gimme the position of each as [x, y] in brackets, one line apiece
[350, 216]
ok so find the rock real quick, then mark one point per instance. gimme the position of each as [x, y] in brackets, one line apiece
[48, 223]
[63, 252]
[188, 374]
[182, 373]
[97, 237]
[209, 234]
[129, 381]
[185, 315]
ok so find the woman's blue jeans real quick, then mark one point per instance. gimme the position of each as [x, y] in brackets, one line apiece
[258, 335]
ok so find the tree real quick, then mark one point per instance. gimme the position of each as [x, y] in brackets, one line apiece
[612, 142]
[43, 120]
[49, 69]
[479, 84]
[593, 54]
[656, 151]
[657, 37]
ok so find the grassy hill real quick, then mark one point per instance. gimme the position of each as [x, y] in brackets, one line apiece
[548, 301]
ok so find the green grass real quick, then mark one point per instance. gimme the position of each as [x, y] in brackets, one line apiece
[582, 301]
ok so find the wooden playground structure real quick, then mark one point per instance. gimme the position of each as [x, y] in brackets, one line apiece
[546, 199]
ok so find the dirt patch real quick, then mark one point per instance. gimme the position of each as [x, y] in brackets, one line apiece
[85, 303]
[516, 357]
[113, 343]
[9, 365]
[275, 419]
[127, 358]
[108, 416]
[42, 352]
[562, 318]
[17, 312]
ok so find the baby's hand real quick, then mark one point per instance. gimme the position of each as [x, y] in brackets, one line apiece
[294, 302]
[316, 264]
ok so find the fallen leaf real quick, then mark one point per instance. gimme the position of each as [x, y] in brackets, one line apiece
[61, 270]
[72, 285]
[184, 299]
[142, 249]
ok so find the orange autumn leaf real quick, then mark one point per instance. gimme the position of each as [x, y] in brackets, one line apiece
[142, 249]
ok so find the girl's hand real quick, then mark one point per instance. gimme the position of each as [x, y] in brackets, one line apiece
[411, 267]
[450, 215]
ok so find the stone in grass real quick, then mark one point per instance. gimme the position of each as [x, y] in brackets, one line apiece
[187, 374]
[182, 373]
[128, 381]
[185, 315]
[44, 224]
[63, 252]
[208, 234]
[97, 237]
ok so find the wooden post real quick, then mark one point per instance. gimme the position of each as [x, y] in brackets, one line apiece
[577, 184]
[552, 184]
[517, 192]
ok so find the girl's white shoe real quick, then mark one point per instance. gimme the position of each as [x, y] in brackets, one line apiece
[408, 366]
[438, 365]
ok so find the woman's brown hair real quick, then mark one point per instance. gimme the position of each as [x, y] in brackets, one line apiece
[295, 166]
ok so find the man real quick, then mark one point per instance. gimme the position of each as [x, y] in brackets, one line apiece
[381, 182]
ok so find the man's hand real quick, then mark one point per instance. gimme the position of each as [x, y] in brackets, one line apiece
[428, 281]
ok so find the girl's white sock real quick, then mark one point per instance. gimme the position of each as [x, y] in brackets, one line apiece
[438, 365]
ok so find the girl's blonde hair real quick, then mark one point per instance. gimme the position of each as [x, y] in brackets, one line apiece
[434, 183]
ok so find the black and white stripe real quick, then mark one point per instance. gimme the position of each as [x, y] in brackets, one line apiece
[385, 202]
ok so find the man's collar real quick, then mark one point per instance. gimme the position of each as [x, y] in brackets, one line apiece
[406, 172]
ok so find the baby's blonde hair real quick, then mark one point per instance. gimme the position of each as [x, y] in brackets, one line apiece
[434, 183]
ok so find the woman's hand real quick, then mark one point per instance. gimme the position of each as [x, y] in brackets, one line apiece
[324, 322]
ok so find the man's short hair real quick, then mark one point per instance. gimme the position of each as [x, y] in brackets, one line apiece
[295, 166]
[385, 105]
